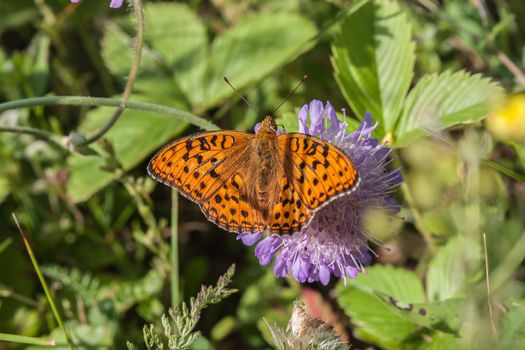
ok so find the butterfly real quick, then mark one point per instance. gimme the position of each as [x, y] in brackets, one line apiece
[248, 183]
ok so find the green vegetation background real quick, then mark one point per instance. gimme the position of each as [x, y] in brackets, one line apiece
[429, 72]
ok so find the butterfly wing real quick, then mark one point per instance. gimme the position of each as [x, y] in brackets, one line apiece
[207, 168]
[315, 173]
[289, 214]
[231, 208]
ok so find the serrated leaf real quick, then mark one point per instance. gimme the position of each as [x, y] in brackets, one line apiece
[373, 59]
[252, 49]
[443, 100]
[376, 321]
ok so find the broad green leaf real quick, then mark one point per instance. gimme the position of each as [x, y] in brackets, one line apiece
[446, 275]
[399, 283]
[373, 58]
[441, 315]
[135, 135]
[175, 44]
[513, 328]
[178, 37]
[253, 48]
[441, 101]
[376, 321]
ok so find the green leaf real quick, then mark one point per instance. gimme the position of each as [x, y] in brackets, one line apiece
[513, 328]
[175, 45]
[447, 275]
[253, 48]
[441, 101]
[442, 315]
[440, 341]
[376, 321]
[177, 36]
[373, 58]
[398, 283]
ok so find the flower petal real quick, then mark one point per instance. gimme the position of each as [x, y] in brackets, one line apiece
[249, 238]
[116, 3]
[303, 116]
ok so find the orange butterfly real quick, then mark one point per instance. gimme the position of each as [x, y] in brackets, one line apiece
[249, 183]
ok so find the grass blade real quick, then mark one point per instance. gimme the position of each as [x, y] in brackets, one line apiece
[43, 283]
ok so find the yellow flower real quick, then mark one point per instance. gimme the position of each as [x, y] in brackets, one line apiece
[508, 122]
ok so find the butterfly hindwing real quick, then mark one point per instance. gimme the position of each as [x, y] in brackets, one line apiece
[289, 215]
[230, 208]
[318, 170]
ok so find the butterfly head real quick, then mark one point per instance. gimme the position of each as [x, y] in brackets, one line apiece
[268, 127]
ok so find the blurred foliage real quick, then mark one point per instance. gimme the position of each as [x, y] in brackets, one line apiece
[429, 71]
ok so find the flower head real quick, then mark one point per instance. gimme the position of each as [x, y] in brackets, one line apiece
[508, 121]
[335, 241]
[113, 4]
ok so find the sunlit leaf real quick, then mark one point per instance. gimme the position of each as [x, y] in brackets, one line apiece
[373, 58]
[252, 49]
[441, 101]
[376, 322]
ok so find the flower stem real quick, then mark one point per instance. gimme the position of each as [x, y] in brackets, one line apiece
[109, 102]
[137, 6]
[175, 297]
[42, 134]
[418, 220]
[44, 284]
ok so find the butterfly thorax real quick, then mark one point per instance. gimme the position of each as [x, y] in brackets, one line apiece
[265, 165]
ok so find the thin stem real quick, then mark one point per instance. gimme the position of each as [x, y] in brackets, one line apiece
[41, 134]
[109, 102]
[137, 6]
[175, 297]
[418, 220]
[513, 68]
[43, 283]
[20, 339]
[9, 293]
[487, 280]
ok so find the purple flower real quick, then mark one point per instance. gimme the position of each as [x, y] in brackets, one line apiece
[335, 242]
[113, 4]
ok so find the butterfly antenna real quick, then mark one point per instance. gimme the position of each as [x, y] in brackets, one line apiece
[290, 94]
[241, 96]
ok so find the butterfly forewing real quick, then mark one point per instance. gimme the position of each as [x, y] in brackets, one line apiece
[195, 164]
[206, 168]
[318, 170]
